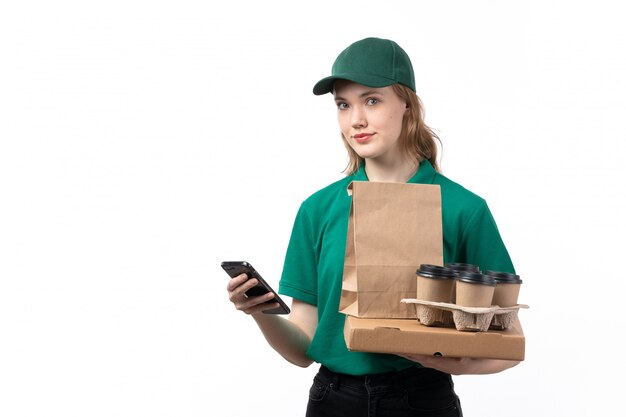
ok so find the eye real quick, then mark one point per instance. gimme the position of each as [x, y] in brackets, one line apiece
[342, 105]
[371, 101]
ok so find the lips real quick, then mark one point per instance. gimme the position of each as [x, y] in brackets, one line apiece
[362, 137]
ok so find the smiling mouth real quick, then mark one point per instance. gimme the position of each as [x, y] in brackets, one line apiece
[362, 137]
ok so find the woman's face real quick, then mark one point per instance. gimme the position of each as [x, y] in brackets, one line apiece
[370, 120]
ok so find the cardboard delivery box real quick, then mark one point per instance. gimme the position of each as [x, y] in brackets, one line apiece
[409, 336]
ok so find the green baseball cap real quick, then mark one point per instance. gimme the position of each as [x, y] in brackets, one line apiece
[373, 62]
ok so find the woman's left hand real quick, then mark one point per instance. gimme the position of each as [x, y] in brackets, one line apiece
[462, 366]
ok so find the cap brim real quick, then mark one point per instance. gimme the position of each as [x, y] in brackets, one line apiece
[325, 85]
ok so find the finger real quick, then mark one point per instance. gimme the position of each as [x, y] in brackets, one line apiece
[253, 302]
[261, 308]
[238, 294]
[236, 281]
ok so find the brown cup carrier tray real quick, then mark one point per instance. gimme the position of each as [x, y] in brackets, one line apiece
[469, 319]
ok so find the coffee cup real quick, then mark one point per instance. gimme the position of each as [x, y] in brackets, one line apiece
[507, 288]
[458, 267]
[474, 289]
[435, 283]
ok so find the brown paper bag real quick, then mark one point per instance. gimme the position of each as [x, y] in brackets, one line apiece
[392, 230]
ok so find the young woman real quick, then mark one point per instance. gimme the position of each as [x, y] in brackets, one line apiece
[381, 123]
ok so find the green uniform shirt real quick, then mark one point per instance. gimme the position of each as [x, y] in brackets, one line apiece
[313, 267]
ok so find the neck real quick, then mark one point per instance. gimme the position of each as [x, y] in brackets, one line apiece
[378, 171]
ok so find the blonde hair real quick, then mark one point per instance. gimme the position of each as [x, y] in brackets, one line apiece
[416, 139]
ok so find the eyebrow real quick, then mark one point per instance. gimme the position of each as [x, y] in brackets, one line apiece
[363, 94]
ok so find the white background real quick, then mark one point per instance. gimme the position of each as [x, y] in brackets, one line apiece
[142, 143]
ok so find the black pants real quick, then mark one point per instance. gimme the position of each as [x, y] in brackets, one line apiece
[411, 392]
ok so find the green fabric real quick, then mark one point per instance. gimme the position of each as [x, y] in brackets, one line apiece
[373, 62]
[313, 267]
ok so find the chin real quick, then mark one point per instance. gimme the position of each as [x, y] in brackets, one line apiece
[367, 155]
[364, 152]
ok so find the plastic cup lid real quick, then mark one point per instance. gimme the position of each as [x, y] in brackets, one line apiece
[459, 266]
[476, 278]
[504, 277]
[436, 271]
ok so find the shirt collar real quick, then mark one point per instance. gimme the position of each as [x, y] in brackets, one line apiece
[424, 175]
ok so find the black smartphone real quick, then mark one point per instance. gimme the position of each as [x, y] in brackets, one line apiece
[235, 268]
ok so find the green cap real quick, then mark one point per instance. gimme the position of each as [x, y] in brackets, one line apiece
[373, 62]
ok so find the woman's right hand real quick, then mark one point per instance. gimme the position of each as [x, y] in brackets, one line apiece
[290, 336]
[250, 305]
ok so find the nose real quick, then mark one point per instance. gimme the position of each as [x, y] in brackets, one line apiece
[359, 120]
